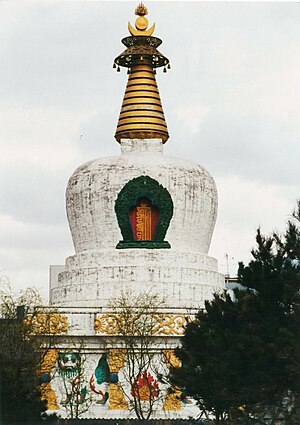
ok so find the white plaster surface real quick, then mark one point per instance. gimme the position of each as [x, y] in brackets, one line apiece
[184, 275]
[94, 278]
[93, 189]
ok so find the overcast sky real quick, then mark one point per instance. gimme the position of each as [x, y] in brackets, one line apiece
[231, 100]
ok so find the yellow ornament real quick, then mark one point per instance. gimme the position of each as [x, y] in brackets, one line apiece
[141, 23]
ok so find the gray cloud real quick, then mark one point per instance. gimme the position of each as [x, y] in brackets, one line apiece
[33, 195]
[249, 146]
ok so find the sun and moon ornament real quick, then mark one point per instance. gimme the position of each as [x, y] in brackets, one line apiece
[141, 23]
[141, 45]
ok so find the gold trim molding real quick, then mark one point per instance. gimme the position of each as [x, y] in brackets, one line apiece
[116, 360]
[48, 324]
[47, 393]
[164, 324]
[173, 398]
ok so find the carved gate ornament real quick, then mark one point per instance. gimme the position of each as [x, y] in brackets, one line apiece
[146, 204]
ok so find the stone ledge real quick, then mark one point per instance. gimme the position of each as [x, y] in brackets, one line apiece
[143, 244]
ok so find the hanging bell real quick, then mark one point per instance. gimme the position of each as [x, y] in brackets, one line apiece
[165, 69]
[154, 71]
[128, 71]
[114, 65]
[118, 69]
[169, 66]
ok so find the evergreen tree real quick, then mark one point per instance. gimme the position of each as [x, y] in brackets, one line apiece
[21, 355]
[241, 355]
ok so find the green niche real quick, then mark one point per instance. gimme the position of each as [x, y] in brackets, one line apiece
[130, 194]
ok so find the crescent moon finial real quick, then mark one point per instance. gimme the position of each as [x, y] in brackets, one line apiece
[137, 32]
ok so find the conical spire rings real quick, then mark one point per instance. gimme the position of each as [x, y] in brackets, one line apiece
[141, 115]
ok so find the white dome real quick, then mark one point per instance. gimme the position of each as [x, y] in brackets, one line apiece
[184, 274]
[93, 189]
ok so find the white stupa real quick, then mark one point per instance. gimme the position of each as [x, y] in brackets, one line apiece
[140, 222]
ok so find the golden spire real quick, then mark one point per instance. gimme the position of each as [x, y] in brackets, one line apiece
[141, 115]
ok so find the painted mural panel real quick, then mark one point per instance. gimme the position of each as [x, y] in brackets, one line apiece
[96, 385]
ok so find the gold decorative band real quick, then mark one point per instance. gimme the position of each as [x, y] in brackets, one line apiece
[132, 94]
[141, 80]
[141, 134]
[141, 107]
[141, 120]
[142, 86]
[142, 113]
[48, 323]
[163, 324]
[141, 100]
[139, 68]
[141, 127]
[142, 72]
